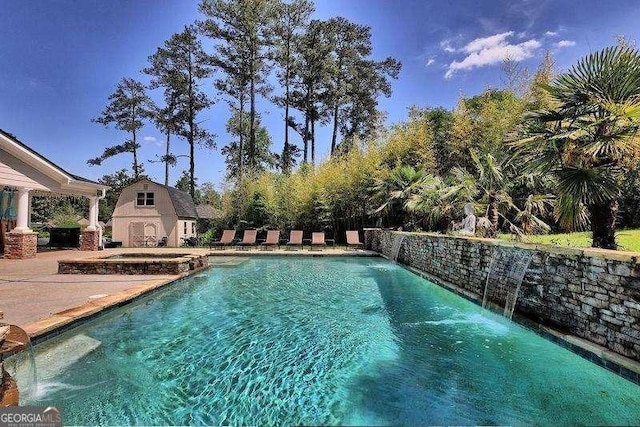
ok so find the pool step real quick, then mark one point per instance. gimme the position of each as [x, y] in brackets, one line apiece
[52, 361]
[227, 261]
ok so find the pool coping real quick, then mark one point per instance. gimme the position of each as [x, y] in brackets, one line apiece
[620, 365]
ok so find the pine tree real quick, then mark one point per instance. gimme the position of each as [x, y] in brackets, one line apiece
[178, 67]
[127, 107]
[291, 20]
[241, 30]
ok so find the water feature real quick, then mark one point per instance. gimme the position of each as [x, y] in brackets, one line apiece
[506, 272]
[396, 245]
[16, 351]
[285, 340]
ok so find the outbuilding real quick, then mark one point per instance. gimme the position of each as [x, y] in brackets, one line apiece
[150, 214]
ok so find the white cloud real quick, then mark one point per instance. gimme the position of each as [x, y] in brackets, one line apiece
[430, 61]
[565, 43]
[486, 42]
[152, 140]
[492, 50]
[550, 34]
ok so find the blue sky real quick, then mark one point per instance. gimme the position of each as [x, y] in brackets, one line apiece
[61, 59]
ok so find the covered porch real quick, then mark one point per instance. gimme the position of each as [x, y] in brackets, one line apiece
[24, 173]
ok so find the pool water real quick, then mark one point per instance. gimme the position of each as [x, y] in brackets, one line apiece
[282, 341]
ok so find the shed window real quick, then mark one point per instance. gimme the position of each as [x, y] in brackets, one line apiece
[193, 228]
[145, 199]
[185, 227]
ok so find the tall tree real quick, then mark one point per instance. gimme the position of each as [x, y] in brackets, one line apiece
[291, 19]
[127, 107]
[178, 67]
[237, 125]
[168, 121]
[356, 80]
[241, 29]
[590, 139]
[367, 80]
[309, 84]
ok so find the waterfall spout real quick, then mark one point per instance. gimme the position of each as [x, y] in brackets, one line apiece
[396, 246]
[506, 272]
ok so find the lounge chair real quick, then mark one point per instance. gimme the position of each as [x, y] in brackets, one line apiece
[225, 240]
[295, 238]
[317, 239]
[273, 239]
[249, 238]
[353, 240]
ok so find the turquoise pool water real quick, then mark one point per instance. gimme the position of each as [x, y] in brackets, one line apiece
[283, 341]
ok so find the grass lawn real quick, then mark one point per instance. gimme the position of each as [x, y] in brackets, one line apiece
[628, 240]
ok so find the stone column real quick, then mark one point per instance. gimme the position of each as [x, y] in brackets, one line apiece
[90, 240]
[22, 243]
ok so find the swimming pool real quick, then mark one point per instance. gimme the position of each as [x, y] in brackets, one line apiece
[285, 340]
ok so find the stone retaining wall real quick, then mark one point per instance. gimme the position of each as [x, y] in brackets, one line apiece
[590, 293]
[133, 266]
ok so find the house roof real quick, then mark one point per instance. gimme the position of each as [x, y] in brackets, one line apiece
[182, 202]
[66, 182]
[208, 212]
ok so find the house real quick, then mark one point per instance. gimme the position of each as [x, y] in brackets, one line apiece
[25, 173]
[147, 212]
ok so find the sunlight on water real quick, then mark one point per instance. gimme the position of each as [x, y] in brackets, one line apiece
[283, 341]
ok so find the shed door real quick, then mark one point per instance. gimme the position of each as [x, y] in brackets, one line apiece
[143, 234]
[150, 234]
[136, 234]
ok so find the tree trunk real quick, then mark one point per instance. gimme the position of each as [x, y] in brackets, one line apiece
[286, 167]
[313, 142]
[252, 119]
[286, 162]
[603, 224]
[166, 161]
[492, 214]
[334, 135]
[136, 168]
[241, 132]
[192, 163]
[305, 137]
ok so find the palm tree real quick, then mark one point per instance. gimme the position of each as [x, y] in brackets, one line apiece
[587, 140]
[395, 190]
[489, 189]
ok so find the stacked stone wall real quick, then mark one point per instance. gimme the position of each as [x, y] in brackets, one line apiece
[593, 294]
[97, 266]
[21, 245]
[89, 240]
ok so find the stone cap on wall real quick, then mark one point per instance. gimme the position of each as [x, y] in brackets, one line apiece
[623, 256]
